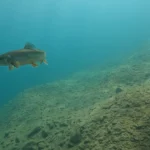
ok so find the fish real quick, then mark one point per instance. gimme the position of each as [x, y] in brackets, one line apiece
[29, 55]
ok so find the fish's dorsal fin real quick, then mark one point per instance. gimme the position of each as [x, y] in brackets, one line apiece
[29, 45]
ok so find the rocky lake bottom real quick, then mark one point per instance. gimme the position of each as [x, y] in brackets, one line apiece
[99, 109]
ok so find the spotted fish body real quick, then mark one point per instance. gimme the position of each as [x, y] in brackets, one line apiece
[28, 55]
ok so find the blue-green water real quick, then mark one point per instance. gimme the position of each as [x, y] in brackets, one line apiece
[76, 34]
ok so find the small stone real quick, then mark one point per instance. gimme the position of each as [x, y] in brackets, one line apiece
[63, 125]
[138, 127]
[76, 138]
[86, 141]
[6, 135]
[44, 134]
[17, 140]
[118, 90]
[51, 126]
[61, 144]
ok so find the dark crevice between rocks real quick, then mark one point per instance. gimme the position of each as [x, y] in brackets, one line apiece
[34, 132]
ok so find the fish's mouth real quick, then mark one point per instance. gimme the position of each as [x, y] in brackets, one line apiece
[3, 60]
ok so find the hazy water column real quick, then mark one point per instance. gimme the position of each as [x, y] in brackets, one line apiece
[76, 35]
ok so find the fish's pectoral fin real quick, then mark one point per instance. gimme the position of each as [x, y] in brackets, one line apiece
[16, 64]
[29, 45]
[34, 64]
[11, 67]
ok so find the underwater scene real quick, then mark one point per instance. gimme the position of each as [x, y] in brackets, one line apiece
[74, 75]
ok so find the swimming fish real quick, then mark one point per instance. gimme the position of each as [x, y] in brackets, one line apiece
[28, 55]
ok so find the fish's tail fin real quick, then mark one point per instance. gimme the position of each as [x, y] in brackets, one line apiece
[44, 61]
